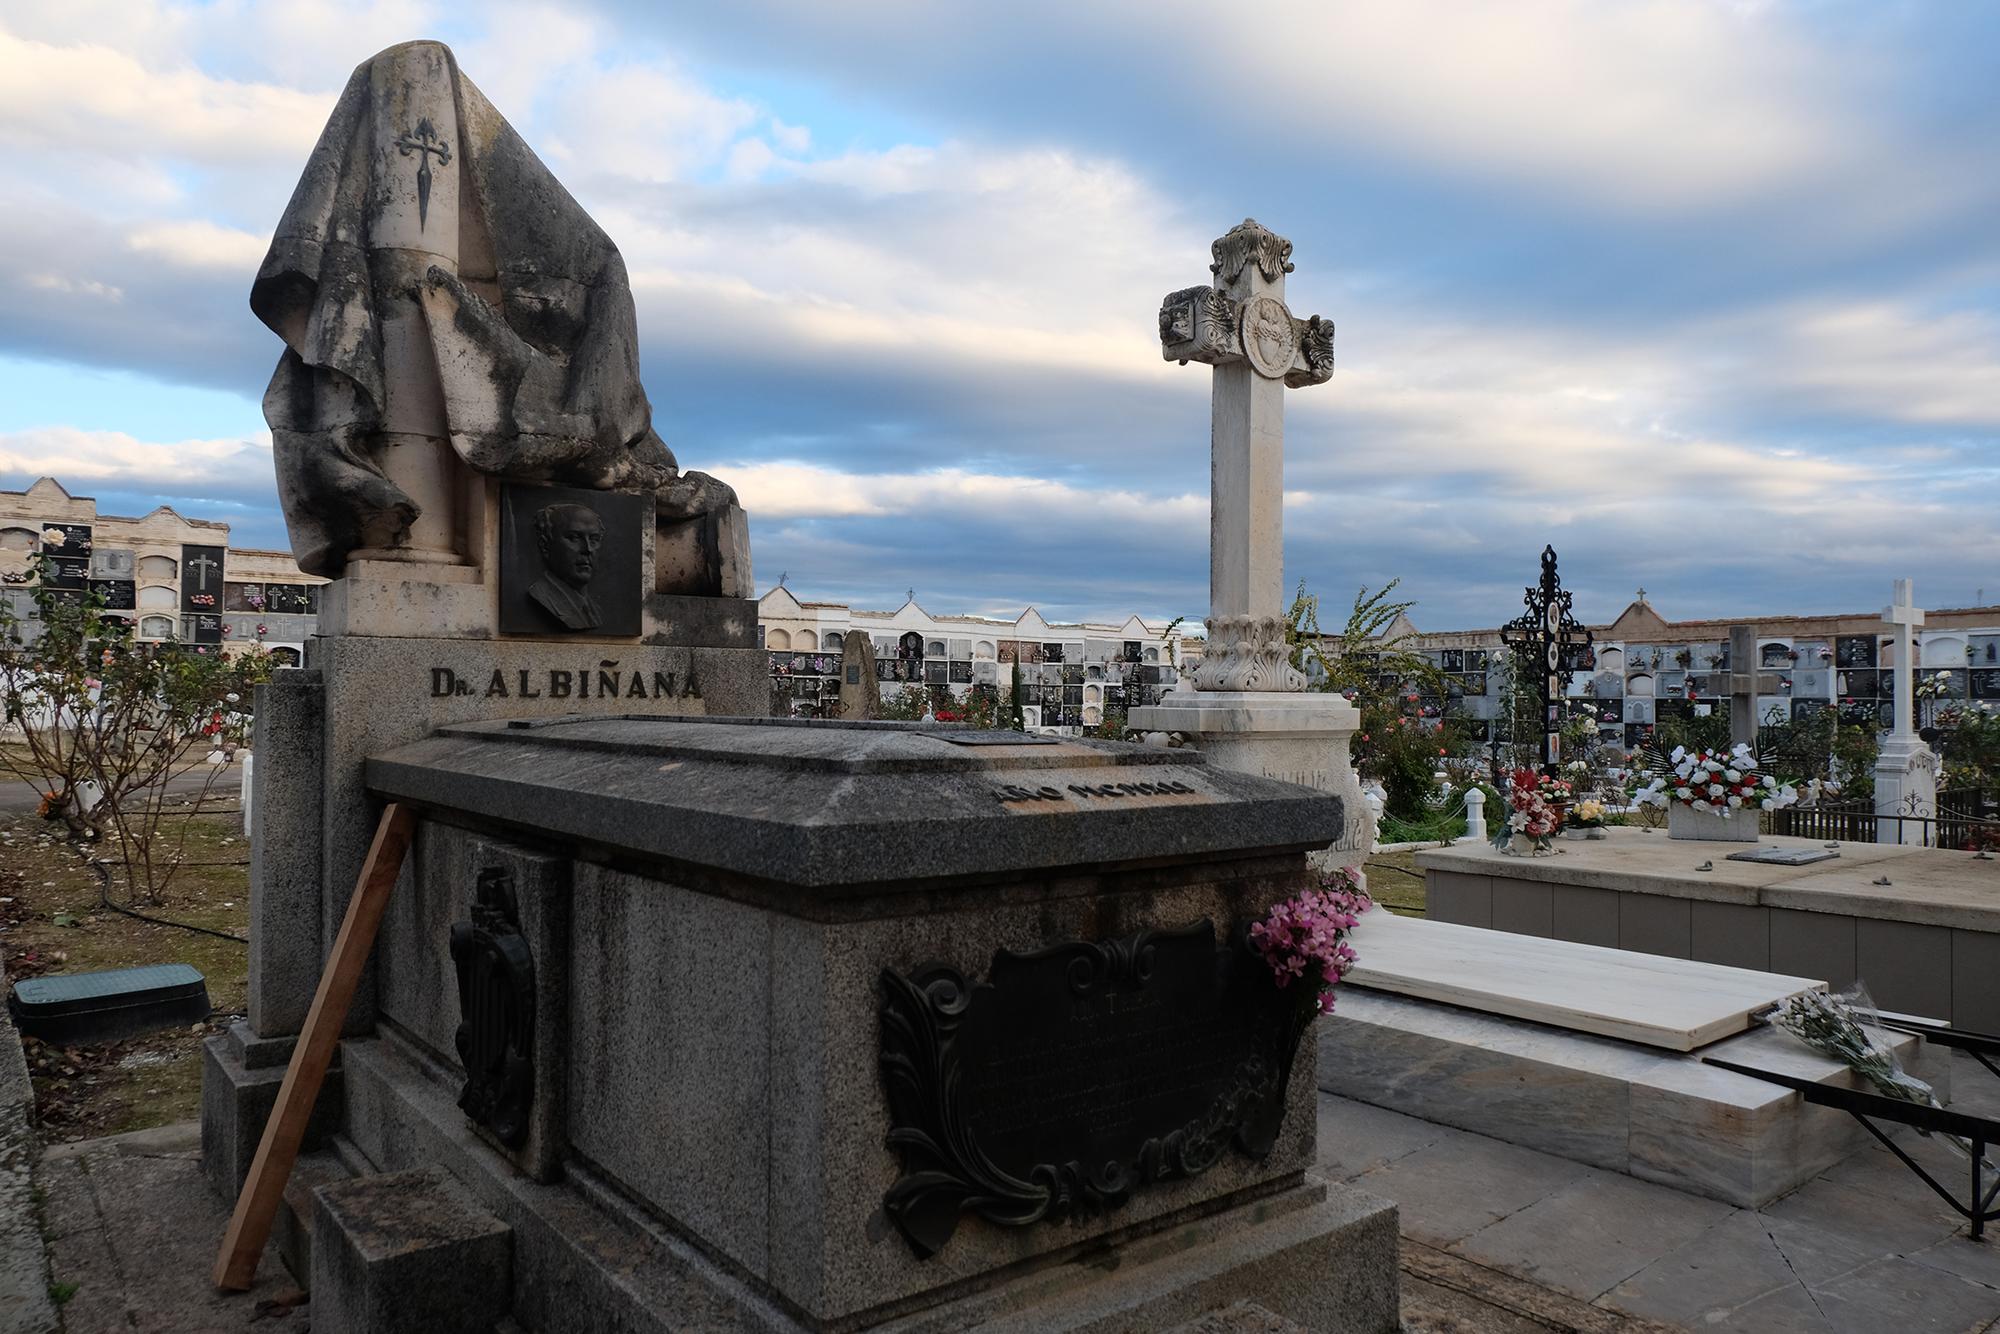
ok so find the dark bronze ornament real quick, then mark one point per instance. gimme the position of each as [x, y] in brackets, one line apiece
[1076, 1074]
[496, 1005]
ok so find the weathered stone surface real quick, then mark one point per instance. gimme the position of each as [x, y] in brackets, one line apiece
[236, 1100]
[417, 980]
[24, 1273]
[285, 825]
[860, 692]
[408, 1253]
[383, 693]
[831, 804]
[526, 364]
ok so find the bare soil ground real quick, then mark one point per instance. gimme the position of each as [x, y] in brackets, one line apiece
[53, 919]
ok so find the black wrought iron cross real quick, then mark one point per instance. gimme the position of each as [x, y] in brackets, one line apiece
[1548, 645]
[423, 142]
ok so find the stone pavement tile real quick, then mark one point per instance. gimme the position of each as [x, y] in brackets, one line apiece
[1355, 1137]
[1463, 1182]
[1978, 1261]
[1974, 1088]
[1706, 1282]
[1894, 1225]
[1431, 1309]
[1448, 1294]
[1593, 1233]
[1897, 1296]
[68, 1204]
[1791, 1310]
[1817, 1255]
[97, 1301]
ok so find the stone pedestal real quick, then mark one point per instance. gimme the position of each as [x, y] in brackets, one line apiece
[1684, 821]
[1298, 737]
[1906, 774]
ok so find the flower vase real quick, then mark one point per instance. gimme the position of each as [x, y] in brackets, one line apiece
[1530, 845]
[1684, 821]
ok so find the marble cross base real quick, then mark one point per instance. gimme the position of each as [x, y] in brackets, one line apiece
[1299, 737]
[1906, 774]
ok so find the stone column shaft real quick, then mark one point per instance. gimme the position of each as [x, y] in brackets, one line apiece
[1246, 567]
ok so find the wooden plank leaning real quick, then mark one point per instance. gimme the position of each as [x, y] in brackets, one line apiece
[257, 1205]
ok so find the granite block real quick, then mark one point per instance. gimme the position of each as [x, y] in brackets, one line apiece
[1975, 981]
[382, 693]
[1906, 966]
[259, 1053]
[1453, 896]
[285, 818]
[1656, 926]
[417, 979]
[1814, 944]
[669, 1054]
[1583, 914]
[408, 1253]
[831, 805]
[1524, 907]
[236, 1101]
[832, 1250]
[1735, 934]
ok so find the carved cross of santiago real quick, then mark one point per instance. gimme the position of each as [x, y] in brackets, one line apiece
[423, 143]
[1239, 325]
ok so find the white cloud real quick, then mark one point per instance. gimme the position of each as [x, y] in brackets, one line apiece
[199, 244]
[71, 454]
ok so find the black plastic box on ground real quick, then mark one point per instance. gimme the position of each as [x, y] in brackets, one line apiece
[116, 1003]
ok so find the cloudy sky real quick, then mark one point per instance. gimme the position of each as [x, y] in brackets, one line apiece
[1706, 294]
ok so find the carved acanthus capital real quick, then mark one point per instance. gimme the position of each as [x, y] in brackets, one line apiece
[1314, 363]
[1247, 653]
[1246, 243]
[1199, 324]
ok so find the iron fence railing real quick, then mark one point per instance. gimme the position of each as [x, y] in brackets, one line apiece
[1965, 820]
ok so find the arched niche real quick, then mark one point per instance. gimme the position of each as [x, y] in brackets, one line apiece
[778, 639]
[156, 627]
[983, 650]
[157, 569]
[19, 539]
[157, 595]
[831, 640]
[1640, 687]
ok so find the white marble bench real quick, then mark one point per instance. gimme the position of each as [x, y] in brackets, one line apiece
[1440, 1021]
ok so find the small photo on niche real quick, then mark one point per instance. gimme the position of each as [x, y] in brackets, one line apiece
[570, 561]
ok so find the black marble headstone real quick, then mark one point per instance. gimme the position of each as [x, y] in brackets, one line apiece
[570, 561]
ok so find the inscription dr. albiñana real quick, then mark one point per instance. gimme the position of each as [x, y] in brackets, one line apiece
[1078, 1073]
[605, 681]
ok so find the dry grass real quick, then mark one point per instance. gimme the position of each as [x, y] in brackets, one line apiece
[52, 920]
[1395, 882]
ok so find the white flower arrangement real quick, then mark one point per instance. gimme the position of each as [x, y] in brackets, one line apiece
[1719, 784]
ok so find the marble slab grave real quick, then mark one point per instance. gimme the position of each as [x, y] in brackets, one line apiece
[1646, 998]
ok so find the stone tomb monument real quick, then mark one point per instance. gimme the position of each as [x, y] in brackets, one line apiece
[463, 445]
[806, 1025]
[1245, 704]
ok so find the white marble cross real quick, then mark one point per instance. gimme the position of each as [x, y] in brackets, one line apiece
[1239, 325]
[1746, 682]
[1906, 616]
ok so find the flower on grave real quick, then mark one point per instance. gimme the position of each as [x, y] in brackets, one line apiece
[1304, 938]
[1589, 813]
[1720, 782]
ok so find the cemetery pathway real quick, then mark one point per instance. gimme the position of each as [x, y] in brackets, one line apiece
[1542, 1243]
[17, 797]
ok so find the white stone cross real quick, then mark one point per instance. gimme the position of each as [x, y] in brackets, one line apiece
[1746, 682]
[1240, 326]
[1906, 616]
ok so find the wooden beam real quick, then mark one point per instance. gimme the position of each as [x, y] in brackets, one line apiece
[257, 1205]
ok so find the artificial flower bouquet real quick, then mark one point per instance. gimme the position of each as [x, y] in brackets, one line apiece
[1718, 783]
[1536, 803]
[1587, 814]
[1305, 937]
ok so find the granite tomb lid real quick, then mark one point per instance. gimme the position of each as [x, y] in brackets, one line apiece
[838, 803]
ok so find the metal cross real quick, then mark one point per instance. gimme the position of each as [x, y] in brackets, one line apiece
[424, 142]
[201, 565]
[1548, 645]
